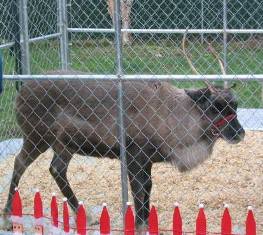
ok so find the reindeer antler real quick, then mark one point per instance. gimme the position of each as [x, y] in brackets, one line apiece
[189, 60]
[215, 54]
[186, 56]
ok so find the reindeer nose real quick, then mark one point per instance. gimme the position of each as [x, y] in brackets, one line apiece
[241, 133]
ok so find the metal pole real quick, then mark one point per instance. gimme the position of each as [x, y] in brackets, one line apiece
[25, 37]
[202, 20]
[16, 47]
[140, 77]
[120, 120]
[15, 32]
[225, 37]
[69, 20]
[36, 39]
[62, 26]
[167, 31]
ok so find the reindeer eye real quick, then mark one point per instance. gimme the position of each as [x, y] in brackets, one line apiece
[219, 106]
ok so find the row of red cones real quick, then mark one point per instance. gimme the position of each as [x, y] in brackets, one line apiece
[17, 214]
[81, 219]
[153, 229]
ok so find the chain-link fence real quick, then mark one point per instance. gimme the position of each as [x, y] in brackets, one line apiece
[171, 82]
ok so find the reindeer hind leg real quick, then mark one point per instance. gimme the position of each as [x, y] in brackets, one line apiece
[23, 160]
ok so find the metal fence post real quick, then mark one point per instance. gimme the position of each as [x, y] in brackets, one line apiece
[69, 22]
[202, 20]
[25, 57]
[1, 74]
[16, 36]
[62, 27]
[225, 37]
[120, 121]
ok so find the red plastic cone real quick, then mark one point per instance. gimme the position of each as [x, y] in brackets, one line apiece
[54, 211]
[38, 206]
[16, 215]
[129, 221]
[16, 204]
[250, 222]
[81, 220]
[104, 221]
[177, 221]
[201, 221]
[226, 223]
[153, 222]
[38, 214]
[65, 216]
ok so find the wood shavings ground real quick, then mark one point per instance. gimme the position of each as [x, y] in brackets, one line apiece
[232, 175]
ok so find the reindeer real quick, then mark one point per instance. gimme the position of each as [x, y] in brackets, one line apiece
[162, 124]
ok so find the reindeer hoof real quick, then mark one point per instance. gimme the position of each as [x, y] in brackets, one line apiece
[141, 229]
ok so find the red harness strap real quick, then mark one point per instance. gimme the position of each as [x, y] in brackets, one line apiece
[216, 125]
[224, 120]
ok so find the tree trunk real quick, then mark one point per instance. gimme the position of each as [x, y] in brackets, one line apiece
[126, 6]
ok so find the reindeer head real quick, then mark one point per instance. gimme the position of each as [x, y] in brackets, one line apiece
[218, 106]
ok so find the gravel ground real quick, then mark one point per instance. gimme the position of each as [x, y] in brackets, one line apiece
[233, 175]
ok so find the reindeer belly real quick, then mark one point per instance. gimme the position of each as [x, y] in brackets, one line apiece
[84, 137]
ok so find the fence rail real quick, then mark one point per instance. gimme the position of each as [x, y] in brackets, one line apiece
[140, 77]
[168, 31]
[138, 31]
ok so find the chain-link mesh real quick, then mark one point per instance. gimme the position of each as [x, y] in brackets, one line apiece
[178, 124]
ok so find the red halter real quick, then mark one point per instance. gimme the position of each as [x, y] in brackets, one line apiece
[224, 120]
[220, 123]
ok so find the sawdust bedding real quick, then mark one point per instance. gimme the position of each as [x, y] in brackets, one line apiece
[233, 175]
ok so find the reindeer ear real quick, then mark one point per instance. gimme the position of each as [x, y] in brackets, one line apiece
[199, 96]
